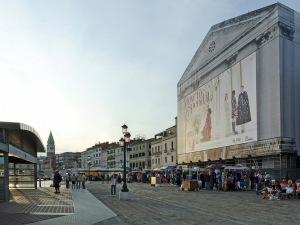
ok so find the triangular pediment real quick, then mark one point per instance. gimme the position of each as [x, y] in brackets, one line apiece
[223, 35]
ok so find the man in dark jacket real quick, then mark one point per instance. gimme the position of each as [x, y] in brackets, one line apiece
[56, 181]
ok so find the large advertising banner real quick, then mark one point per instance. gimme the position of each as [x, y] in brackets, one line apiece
[222, 112]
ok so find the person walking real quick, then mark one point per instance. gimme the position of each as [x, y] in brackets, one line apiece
[219, 181]
[267, 179]
[57, 179]
[83, 177]
[73, 180]
[113, 186]
[68, 180]
[259, 183]
[102, 178]
[78, 180]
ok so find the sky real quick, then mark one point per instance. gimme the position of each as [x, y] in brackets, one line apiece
[82, 69]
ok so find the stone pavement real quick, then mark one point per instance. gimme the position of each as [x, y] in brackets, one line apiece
[169, 205]
[147, 205]
[43, 206]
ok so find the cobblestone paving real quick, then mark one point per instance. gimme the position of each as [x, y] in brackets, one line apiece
[169, 205]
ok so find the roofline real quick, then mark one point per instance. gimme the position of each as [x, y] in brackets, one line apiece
[24, 127]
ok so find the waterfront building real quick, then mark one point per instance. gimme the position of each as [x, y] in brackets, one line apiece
[66, 160]
[238, 100]
[19, 145]
[140, 153]
[164, 150]
[111, 155]
[119, 157]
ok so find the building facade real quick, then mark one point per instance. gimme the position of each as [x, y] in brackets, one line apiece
[66, 160]
[164, 149]
[111, 155]
[140, 154]
[119, 157]
[238, 99]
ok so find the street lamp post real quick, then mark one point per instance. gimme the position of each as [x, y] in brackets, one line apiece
[124, 193]
[89, 164]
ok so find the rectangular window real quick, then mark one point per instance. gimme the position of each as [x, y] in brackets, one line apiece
[172, 145]
[165, 146]
[143, 146]
[155, 149]
[152, 161]
[165, 159]
[158, 160]
[155, 161]
[158, 148]
[172, 158]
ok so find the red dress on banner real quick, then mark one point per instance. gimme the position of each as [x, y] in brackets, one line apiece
[206, 132]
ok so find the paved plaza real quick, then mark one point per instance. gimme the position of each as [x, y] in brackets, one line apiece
[148, 205]
[169, 205]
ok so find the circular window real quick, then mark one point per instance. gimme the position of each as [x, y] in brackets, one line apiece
[212, 46]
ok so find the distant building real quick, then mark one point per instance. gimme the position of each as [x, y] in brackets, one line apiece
[111, 155]
[51, 160]
[103, 162]
[98, 156]
[119, 157]
[140, 154]
[164, 149]
[67, 160]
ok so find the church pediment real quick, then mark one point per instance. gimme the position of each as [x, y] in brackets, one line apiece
[224, 35]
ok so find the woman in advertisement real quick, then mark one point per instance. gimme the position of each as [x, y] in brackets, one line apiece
[233, 112]
[206, 132]
[243, 110]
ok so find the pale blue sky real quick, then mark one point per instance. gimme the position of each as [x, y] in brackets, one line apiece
[84, 68]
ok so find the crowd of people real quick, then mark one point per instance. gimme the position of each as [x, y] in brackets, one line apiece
[233, 180]
[217, 180]
[276, 190]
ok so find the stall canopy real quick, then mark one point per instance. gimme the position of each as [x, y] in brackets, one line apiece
[215, 166]
[195, 169]
[236, 168]
[168, 168]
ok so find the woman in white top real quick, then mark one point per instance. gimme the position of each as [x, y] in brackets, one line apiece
[113, 186]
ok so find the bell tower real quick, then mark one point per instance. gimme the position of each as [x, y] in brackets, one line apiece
[51, 151]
